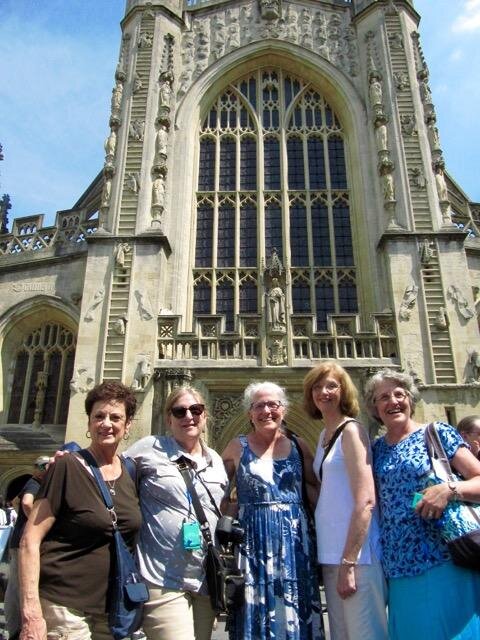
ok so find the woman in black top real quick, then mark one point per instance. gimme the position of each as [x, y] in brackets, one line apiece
[67, 548]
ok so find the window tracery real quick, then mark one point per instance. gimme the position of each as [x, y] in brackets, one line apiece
[272, 175]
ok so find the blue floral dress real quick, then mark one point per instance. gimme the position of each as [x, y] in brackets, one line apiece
[415, 558]
[278, 557]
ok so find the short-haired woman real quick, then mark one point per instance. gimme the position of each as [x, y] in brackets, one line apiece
[282, 595]
[429, 596]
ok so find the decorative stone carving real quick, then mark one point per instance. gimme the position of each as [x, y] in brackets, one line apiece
[460, 302]
[441, 319]
[158, 197]
[132, 182]
[274, 265]
[276, 352]
[110, 144]
[225, 408]
[116, 101]
[408, 301]
[120, 251]
[381, 136]
[40, 391]
[119, 325]
[82, 381]
[441, 184]
[270, 9]
[425, 251]
[106, 193]
[417, 178]
[409, 125]
[97, 300]
[161, 143]
[143, 307]
[142, 374]
[276, 307]
[137, 83]
[388, 185]
[396, 41]
[218, 32]
[401, 80]
[136, 130]
[145, 41]
[472, 368]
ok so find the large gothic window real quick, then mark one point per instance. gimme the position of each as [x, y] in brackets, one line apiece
[272, 175]
[42, 372]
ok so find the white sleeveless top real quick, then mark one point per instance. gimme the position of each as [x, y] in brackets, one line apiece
[334, 509]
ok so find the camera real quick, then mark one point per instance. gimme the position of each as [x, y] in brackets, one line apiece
[229, 531]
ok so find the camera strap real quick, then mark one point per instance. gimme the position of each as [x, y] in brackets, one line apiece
[185, 469]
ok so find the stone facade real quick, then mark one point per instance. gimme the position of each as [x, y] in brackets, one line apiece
[119, 274]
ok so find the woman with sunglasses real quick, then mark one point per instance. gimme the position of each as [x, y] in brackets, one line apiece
[171, 550]
[282, 595]
[346, 519]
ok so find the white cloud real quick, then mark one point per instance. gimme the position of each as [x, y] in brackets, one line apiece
[469, 18]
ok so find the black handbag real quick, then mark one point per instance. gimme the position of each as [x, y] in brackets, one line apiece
[127, 592]
[464, 549]
[225, 581]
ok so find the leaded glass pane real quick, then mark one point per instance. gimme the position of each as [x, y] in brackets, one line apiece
[273, 230]
[18, 386]
[225, 303]
[204, 242]
[272, 163]
[301, 297]
[202, 298]
[226, 237]
[206, 174]
[298, 236]
[325, 304]
[248, 236]
[316, 163]
[321, 236]
[347, 297]
[296, 169]
[336, 153]
[65, 392]
[227, 164]
[248, 297]
[53, 380]
[248, 164]
[37, 367]
[343, 235]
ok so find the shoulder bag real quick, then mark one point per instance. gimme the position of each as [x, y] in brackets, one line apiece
[226, 582]
[465, 548]
[128, 592]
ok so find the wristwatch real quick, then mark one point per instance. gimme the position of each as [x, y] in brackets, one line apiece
[348, 563]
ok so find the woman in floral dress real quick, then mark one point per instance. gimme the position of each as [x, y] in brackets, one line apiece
[282, 596]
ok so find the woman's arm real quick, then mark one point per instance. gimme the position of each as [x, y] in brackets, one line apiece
[231, 457]
[436, 498]
[356, 450]
[38, 525]
[311, 482]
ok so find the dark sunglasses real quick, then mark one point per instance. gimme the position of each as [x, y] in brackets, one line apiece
[181, 412]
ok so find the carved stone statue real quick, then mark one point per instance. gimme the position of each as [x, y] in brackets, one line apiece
[433, 137]
[473, 367]
[136, 130]
[381, 135]
[106, 193]
[441, 185]
[132, 182]
[388, 187]
[143, 312]
[82, 381]
[276, 305]
[375, 92]
[441, 319]
[145, 40]
[137, 83]
[121, 250]
[161, 142]
[97, 300]
[117, 92]
[110, 144]
[143, 373]
[425, 251]
[408, 124]
[270, 9]
[408, 301]
[425, 93]
[418, 177]
[158, 193]
[119, 326]
[165, 92]
[460, 301]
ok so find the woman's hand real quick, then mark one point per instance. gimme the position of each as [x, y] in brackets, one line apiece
[34, 628]
[346, 583]
[434, 501]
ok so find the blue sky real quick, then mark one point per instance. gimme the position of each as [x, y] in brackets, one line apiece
[57, 64]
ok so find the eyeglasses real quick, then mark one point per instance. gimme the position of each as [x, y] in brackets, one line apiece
[181, 412]
[397, 395]
[267, 404]
[42, 467]
[328, 386]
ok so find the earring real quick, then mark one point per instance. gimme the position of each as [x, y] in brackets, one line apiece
[87, 435]
[126, 435]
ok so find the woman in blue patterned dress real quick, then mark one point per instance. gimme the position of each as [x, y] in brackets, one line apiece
[282, 597]
[429, 596]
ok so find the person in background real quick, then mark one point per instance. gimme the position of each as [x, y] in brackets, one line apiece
[428, 595]
[282, 598]
[67, 549]
[346, 518]
[170, 561]
[25, 499]
[469, 429]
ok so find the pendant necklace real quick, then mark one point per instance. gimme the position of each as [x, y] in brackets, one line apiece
[111, 486]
